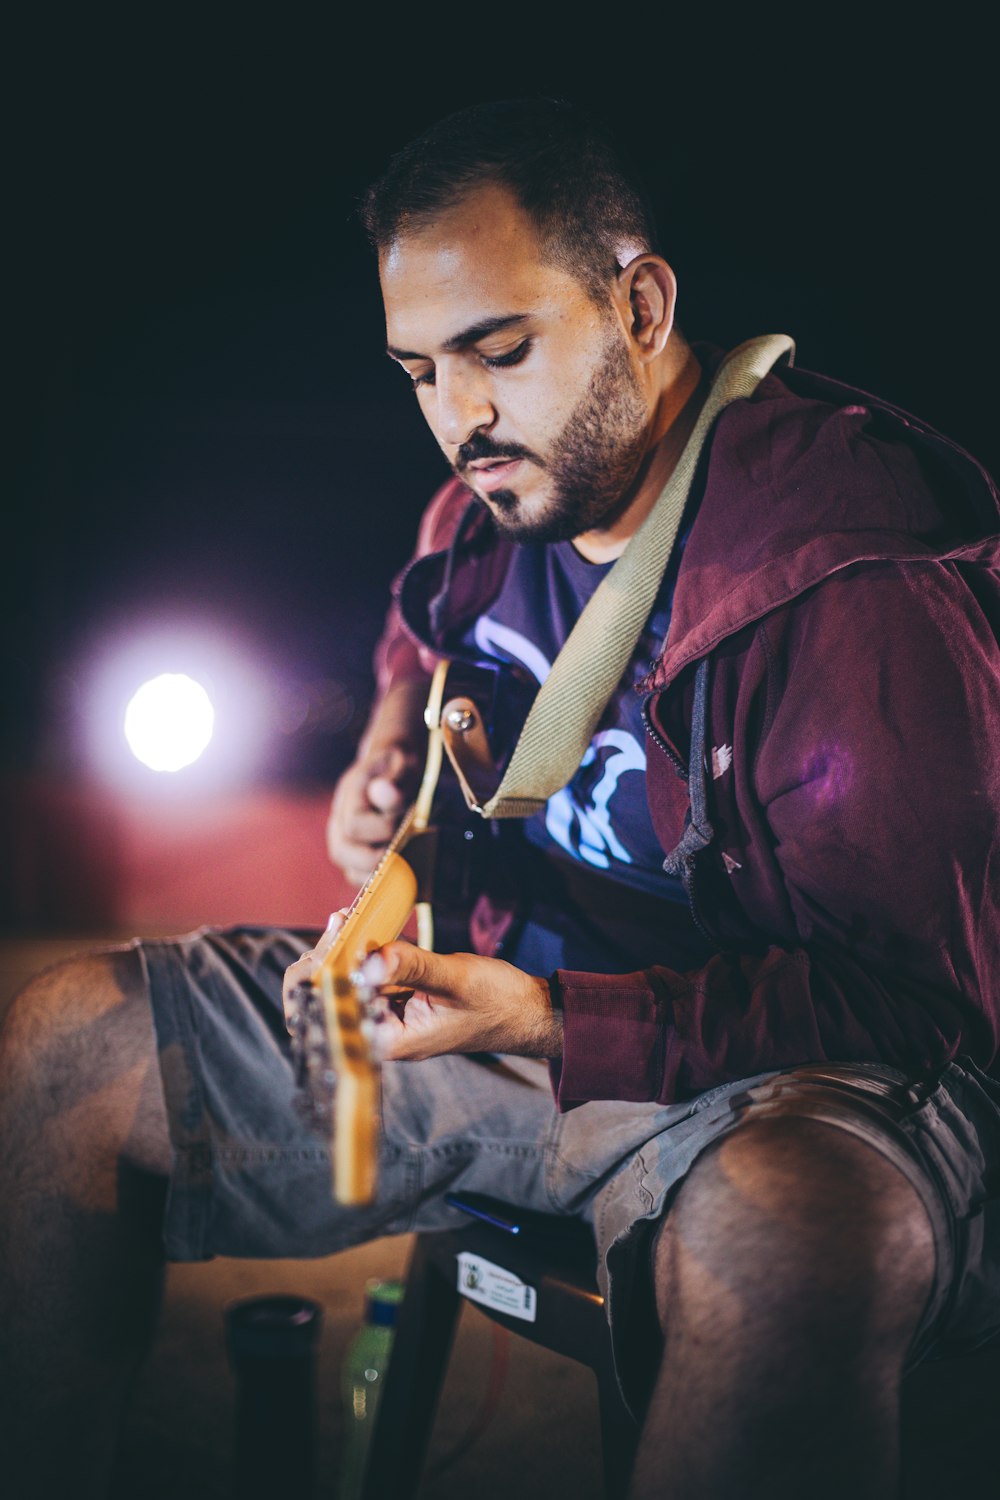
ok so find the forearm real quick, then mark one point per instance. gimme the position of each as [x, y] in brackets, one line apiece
[396, 721]
[459, 1002]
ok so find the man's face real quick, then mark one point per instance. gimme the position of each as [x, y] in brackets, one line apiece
[527, 385]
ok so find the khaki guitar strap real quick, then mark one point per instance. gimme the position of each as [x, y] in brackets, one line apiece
[597, 651]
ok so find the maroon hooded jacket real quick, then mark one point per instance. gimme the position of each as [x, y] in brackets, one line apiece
[832, 678]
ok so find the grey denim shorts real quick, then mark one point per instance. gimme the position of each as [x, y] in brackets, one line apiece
[252, 1179]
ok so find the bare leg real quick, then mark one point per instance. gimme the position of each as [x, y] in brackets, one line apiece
[83, 1158]
[791, 1274]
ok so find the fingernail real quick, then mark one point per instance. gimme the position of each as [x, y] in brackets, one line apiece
[374, 969]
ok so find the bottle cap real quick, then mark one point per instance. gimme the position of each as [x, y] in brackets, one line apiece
[274, 1327]
[382, 1299]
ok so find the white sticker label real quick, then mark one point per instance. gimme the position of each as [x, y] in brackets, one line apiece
[481, 1281]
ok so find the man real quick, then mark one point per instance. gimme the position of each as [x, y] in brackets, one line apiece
[767, 1059]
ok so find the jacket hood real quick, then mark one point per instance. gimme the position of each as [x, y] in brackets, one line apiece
[772, 522]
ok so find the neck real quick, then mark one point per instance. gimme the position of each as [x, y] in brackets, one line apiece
[676, 413]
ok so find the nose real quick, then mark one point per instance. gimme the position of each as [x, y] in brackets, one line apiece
[464, 405]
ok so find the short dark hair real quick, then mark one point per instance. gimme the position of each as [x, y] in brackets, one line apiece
[562, 168]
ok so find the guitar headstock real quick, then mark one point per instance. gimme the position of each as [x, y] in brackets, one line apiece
[321, 1053]
[330, 1024]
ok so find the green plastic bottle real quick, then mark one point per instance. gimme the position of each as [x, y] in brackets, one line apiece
[362, 1377]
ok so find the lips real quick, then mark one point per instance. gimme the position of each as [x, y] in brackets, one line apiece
[495, 476]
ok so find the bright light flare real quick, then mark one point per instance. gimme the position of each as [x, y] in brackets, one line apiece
[241, 676]
[169, 722]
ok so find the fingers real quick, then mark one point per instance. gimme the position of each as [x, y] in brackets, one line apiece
[346, 797]
[399, 768]
[408, 967]
[305, 966]
[367, 806]
[385, 795]
[371, 829]
[359, 850]
[357, 867]
[329, 936]
[358, 845]
[459, 1002]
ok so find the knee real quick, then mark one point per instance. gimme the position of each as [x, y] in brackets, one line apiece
[791, 1211]
[61, 1020]
[78, 1057]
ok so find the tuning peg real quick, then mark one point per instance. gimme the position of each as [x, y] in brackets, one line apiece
[363, 989]
[300, 1002]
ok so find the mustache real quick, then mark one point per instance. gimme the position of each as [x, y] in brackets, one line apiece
[480, 447]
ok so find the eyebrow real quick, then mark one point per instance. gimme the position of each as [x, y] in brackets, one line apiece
[470, 335]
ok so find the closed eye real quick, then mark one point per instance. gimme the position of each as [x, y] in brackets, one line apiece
[491, 361]
[504, 361]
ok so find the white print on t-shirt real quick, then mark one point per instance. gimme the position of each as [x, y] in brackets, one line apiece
[501, 641]
[596, 833]
[597, 838]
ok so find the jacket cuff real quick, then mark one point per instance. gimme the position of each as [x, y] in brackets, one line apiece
[615, 1029]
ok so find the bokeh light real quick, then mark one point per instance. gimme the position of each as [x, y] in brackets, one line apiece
[192, 697]
[169, 722]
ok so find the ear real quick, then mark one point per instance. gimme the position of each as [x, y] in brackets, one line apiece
[646, 296]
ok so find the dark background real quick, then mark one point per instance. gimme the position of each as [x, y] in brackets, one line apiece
[205, 433]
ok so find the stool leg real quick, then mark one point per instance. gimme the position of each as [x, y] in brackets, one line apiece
[405, 1416]
[619, 1436]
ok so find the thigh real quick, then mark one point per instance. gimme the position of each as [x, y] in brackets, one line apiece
[251, 1176]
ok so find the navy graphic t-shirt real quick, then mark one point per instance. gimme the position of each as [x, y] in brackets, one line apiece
[592, 864]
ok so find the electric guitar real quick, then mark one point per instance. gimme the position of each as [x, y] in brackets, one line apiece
[329, 1016]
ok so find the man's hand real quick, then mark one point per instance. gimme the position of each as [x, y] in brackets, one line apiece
[430, 1003]
[368, 804]
[305, 967]
[373, 793]
[459, 1003]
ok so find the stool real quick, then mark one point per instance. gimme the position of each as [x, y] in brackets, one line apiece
[556, 1257]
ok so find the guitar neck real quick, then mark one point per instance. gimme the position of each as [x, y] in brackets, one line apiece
[417, 818]
[376, 916]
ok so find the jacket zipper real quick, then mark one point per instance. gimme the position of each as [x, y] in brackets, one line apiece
[658, 739]
[684, 773]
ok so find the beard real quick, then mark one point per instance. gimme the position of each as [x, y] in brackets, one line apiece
[592, 464]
